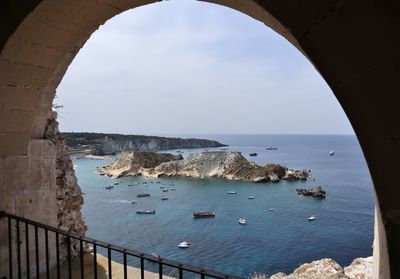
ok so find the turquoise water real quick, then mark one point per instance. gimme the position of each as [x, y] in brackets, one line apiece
[272, 241]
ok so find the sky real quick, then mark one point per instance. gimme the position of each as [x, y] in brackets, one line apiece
[187, 67]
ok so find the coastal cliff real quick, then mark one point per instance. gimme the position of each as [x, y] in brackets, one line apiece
[360, 268]
[110, 144]
[229, 165]
[69, 195]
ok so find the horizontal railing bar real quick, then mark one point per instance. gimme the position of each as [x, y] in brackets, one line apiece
[130, 252]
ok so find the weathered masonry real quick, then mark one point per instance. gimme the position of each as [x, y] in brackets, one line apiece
[354, 44]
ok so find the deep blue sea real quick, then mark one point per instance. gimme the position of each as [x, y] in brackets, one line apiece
[272, 241]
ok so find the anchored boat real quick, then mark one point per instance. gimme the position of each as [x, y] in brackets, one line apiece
[184, 244]
[142, 195]
[208, 214]
[242, 221]
[146, 211]
[312, 218]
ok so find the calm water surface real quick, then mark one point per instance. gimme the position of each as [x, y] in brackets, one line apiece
[272, 241]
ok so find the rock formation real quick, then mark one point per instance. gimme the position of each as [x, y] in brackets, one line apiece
[316, 192]
[229, 165]
[110, 144]
[360, 268]
[69, 194]
[137, 163]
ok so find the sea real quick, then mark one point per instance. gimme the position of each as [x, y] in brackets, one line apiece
[272, 241]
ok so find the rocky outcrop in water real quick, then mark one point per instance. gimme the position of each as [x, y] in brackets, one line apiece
[316, 192]
[137, 163]
[68, 194]
[110, 144]
[360, 268]
[229, 165]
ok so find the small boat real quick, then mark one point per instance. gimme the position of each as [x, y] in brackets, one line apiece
[271, 148]
[312, 218]
[146, 185]
[142, 195]
[116, 183]
[133, 202]
[251, 197]
[253, 154]
[130, 185]
[164, 198]
[158, 182]
[144, 182]
[223, 149]
[208, 214]
[184, 244]
[109, 187]
[232, 192]
[242, 221]
[173, 189]
[155, 255]
[271, 209]
[146, 211]
[165, 190]
[332, 153]
[161, 187]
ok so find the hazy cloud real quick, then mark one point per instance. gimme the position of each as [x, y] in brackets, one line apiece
[190, 67]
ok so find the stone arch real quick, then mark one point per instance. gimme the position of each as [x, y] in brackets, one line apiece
[351, 43]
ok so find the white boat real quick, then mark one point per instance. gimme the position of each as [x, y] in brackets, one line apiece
[271, 209]
[116, 183]
[332, 153]
[184, 244]
[133, 202]
[173, 189]
[165, 190]
[251, 197]
[312, 218]
[109, 187]
[232, 192]
[242, 221]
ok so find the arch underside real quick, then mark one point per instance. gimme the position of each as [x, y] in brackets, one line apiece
[353, 44]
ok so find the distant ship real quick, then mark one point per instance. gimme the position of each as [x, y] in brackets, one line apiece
[253, 154]
[332, 153]
[271, 148]
[208, 214]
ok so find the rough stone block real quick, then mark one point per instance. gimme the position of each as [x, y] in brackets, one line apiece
[12, 97]
[15, 120]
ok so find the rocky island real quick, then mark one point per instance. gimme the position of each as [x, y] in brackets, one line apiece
[317, 192]
[224, 164]
[101, 144]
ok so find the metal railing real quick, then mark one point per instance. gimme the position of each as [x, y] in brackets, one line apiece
[19, 230]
